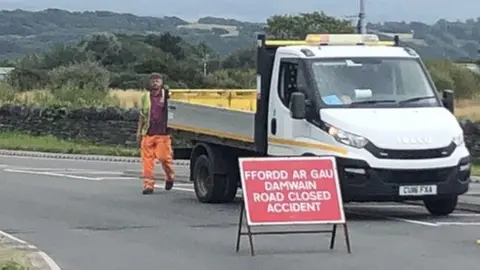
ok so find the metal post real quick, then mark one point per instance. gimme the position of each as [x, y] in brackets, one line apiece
[361, 18]
[205, 61]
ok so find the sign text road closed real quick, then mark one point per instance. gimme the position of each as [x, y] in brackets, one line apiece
[297, 190]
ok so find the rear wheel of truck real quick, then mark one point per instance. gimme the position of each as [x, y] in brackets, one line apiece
[441, 206]
[208, 187]
[232, 180]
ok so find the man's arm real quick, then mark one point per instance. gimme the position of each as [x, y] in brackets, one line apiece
[139, 128]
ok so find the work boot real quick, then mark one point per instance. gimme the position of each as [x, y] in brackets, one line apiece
[168, 185]
[147, 191]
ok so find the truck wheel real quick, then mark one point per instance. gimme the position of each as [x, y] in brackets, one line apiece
[208, 189]
[232, 182]
[441, 206]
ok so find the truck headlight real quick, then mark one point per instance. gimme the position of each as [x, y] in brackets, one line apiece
[347, 137]
[459, 139]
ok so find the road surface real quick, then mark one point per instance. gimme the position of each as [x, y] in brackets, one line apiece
[86, 215]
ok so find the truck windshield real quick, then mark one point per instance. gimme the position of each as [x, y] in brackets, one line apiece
[367, 82]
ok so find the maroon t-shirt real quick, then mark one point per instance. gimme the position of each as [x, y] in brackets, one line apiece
[157, 115]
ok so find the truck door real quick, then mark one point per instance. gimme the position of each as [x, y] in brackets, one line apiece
[283, 130]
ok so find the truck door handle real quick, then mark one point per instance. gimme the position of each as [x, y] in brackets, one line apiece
[273, 126]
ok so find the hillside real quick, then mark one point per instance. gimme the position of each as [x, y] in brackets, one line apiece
[22, 32]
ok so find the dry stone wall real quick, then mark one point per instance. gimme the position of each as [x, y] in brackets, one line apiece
[115, 126]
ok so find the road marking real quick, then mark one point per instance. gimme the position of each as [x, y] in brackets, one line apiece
[418, 222]
[70, 171]
[380, 206]
[42, 168]
[13, 238]
[50, 262]
[406, 220]
[465, 215]
[178, 186]
[117, 178]
[183, 164]
[53, 174]
[459, 223]
[93, 172]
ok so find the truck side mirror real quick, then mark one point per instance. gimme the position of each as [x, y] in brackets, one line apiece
[298, 108]
[448, 100]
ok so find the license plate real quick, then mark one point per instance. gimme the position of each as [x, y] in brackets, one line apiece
[418, 190]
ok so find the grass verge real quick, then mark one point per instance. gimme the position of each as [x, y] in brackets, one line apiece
[18, 141]
[13, 259]
[476, 168]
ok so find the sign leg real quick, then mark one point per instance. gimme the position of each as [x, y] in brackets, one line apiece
[334, 233]
[347, 238]
[250, 239]
[240, 223]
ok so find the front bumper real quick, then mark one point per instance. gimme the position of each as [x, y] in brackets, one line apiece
[361, 183]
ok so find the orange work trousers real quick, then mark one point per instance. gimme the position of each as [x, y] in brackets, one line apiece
[156, 148]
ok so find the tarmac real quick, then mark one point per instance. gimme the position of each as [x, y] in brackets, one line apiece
[90, 214]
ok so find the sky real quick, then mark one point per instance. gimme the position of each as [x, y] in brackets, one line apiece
[428, 11]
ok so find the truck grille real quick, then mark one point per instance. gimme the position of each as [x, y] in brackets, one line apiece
[415, 176]
[410, 154]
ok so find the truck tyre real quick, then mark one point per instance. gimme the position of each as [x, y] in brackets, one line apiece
[232, 181]
[441, 206]
[208, 188]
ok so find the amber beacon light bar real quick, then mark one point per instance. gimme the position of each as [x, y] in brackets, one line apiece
[335, 39]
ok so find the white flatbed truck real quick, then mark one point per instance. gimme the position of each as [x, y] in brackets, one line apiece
[371, 104]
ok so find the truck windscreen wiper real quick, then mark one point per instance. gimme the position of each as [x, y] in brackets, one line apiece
[415, 99]
[374, 101]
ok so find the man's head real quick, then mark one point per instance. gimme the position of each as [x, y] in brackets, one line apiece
[156, 81]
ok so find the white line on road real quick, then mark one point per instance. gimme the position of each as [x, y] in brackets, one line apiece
[117, 178]
[411, 221]
[53, 174]
[380, 206]
[418, 222]
[465, 215]
[459, 223]
[184, 162]
[50, 262]
[13, 238]
[94, 172]
[65, 170]
[43, 168]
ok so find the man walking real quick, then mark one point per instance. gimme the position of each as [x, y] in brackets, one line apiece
[155, 142]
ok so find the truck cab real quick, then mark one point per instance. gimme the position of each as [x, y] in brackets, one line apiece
[373, 106]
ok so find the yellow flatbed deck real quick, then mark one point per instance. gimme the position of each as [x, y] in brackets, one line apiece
[224, 114]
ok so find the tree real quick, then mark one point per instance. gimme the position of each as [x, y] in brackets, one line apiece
[299, 26]
[245, 58]
[103, 48]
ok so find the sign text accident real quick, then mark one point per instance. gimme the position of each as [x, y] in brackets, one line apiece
[300, 190]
